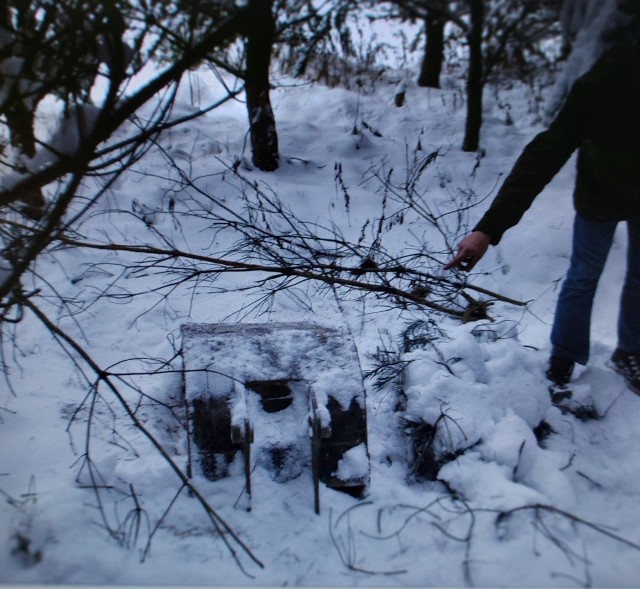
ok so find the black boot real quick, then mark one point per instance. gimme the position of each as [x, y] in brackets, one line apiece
[559, 373]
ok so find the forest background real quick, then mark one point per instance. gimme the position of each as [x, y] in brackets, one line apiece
[315, 161]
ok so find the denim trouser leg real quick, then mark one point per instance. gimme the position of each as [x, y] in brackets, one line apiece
[629, 318]
[591, 244]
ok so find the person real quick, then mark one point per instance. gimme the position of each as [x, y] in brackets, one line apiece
[601, 119]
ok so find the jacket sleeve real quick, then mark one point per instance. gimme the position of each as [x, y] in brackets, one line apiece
[539, 162]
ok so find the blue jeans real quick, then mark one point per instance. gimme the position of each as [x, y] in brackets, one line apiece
[591, 244]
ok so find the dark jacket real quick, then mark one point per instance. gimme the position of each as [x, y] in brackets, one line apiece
[600, 118]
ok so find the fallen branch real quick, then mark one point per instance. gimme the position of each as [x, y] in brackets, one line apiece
[328, 274]
[220, 525]
[347, 551]
[574, 518]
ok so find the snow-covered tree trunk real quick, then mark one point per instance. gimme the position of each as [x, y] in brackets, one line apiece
[260, 34]
[434, 50]
[475, 81]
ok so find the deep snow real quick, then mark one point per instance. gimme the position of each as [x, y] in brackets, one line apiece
[492, 392]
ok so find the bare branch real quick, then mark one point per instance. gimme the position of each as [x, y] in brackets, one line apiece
[225, 531]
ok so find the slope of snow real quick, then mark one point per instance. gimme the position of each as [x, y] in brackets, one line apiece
[506, 510]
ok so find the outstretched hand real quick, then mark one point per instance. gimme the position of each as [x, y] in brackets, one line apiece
[470, 251]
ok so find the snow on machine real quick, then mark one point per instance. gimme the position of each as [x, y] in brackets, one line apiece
[287, 396]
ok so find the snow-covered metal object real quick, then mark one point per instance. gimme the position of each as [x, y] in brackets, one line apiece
[288, 396]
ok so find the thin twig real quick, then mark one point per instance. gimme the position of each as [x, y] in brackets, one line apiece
[219, 523]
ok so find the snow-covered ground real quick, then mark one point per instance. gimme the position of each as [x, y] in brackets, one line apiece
[507, 510]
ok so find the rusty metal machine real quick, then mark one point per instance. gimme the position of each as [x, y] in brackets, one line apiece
[288, 396]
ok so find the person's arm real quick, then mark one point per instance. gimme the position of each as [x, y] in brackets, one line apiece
[539, 162]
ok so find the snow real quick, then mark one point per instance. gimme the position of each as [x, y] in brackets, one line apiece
[507, 509]
[353, 464]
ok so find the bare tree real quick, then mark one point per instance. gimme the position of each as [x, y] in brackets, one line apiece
[502, 39]
[505, 40]
[278, 252]
[475, 81]
[291, 30]
[259, 33]
[84, 143]
[433, 59]
[95, 144]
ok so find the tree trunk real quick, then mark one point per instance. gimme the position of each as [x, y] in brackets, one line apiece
[434, 51]
[475, 80]
[259, 37]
